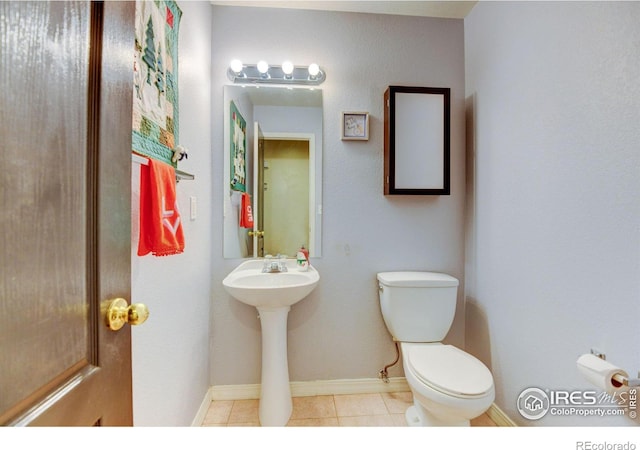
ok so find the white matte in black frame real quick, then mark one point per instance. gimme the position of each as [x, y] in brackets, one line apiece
[435, 178]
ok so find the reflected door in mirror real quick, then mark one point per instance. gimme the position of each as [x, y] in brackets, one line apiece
[286, 196]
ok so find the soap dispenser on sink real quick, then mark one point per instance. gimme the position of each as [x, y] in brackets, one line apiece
[302, 259]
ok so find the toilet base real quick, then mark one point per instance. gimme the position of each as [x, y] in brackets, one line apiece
[417, 416]
[413, 419]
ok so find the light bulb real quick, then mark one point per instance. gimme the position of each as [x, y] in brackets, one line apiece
[287, 67]
[263, 67]
[314, 69]
[236, 65]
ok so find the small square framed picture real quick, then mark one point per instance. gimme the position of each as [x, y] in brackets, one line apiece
[355, 126]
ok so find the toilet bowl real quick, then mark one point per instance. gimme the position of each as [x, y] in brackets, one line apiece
[449, 387]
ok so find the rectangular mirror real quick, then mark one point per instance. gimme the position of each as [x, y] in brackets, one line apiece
[273, 153]
[416, 141]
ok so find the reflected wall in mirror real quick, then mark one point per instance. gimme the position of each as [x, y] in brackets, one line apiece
[283, 171]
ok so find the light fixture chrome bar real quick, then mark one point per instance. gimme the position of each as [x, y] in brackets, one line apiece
[275, 75]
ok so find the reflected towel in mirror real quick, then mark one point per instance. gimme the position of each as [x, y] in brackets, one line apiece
[246, 214]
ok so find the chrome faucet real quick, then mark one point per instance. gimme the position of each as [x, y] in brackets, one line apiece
[274, 266]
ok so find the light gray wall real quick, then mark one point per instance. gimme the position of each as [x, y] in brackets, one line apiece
[171, 349]
[553, 263]
[338, 332]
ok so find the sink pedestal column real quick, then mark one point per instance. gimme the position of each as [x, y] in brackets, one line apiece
[275, 392]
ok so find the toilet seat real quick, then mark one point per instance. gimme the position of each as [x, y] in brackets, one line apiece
[449, 370]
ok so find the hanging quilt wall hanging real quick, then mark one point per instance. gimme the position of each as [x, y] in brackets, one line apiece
[155, 95]
[238, 139]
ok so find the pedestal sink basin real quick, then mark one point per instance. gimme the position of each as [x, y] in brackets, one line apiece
[272, 294]
[250, 285]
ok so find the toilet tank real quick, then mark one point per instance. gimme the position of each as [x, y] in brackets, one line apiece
[417, 306]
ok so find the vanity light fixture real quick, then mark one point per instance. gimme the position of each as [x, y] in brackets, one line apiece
[263, 68]
[287, 68]
[314, 70]
[263, 73]
[236, 67]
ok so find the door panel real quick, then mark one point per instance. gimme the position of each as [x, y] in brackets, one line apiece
[43, 237]
[65, 179]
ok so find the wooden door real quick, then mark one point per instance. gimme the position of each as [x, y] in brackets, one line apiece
[65, 126]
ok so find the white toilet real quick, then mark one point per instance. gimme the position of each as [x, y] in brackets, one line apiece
[450, 387]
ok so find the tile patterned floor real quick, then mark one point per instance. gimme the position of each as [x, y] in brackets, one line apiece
[352, 410]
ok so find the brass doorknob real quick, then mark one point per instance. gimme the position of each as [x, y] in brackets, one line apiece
[119, 313]
[256, 233]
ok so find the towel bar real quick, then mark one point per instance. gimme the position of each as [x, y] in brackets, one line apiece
[180, 175]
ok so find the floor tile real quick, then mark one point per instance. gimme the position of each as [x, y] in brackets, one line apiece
[380, 420]
[399, 419]
[244, 412]
[317, 422]
[397, 402]
[218, 413]
[320, 406]
[360, 405]
[351, 410]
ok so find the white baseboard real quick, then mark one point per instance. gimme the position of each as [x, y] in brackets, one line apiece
[499, 417]
[310, 388]
[202, 411]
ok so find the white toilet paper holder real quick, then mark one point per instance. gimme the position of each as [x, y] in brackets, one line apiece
[619, 378]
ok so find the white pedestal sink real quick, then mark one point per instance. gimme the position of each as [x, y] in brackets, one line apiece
[272, 294]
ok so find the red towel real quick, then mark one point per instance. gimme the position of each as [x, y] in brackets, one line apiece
[246, 215]
[160, 225]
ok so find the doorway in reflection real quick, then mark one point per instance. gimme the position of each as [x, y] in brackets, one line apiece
[283, 208]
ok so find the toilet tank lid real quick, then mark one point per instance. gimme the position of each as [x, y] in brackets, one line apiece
[417, 279]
